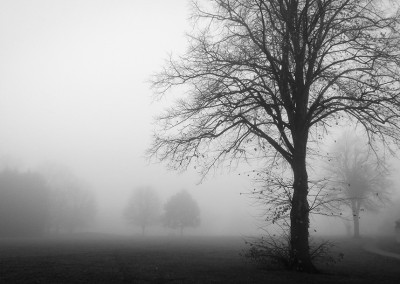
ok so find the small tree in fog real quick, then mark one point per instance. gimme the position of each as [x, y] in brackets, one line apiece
[181, 211]
[143, 208]
[359, 177]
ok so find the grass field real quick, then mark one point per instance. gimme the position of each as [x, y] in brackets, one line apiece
[108, 259]
[388, 244]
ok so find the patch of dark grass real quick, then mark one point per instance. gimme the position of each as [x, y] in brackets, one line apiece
[168, 260]
[388, 243]
[272, 252]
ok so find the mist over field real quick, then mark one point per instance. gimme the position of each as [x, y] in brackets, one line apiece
[74, 92]
[79, 115]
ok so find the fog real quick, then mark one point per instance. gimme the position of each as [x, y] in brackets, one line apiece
[74, 91]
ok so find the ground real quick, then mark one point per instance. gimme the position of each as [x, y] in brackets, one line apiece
[94, 258]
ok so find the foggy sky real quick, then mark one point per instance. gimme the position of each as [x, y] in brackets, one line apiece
[74, 90]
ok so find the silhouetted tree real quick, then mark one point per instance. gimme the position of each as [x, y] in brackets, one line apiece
[267, 79]
[24, 204]
[359, 177]
[143, 208]
[181, 211]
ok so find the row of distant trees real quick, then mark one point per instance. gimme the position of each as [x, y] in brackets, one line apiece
[144, 209]
[49, 200]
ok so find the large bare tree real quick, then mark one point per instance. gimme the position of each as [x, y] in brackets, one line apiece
[267, 79]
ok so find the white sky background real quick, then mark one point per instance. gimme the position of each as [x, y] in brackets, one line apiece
[73, 90]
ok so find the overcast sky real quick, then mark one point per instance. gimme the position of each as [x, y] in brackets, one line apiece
[74, 90]
[73, 75]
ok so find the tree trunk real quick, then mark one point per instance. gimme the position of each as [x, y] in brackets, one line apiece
[356, 222]
[355, 210]
[299, 218]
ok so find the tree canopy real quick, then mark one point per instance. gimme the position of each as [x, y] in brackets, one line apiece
[181, 211]
[143, 208]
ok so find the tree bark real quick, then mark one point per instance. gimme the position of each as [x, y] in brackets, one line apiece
[299, 218]
[356, 219]
[356, 226]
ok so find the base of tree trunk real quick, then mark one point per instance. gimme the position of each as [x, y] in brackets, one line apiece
[307, 267]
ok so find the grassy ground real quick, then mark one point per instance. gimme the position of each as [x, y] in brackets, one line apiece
[389, 244]
[105, 259]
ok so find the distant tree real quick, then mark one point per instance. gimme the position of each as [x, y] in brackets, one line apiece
[143, 208]
[72, 203]
[181, 211]
[24, 204]
[267, 80]
[359, 177]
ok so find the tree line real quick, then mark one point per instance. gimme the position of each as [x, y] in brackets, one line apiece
[51, 200]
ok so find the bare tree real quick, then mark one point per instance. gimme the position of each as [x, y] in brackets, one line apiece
[359, 177]
[267, 79]
[181, 211]
[143, 208]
